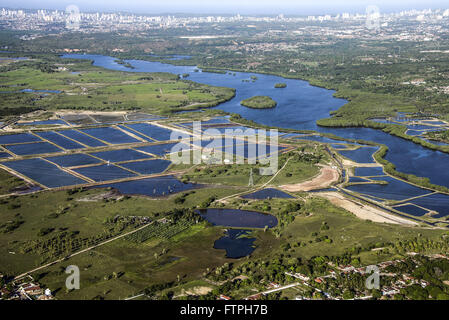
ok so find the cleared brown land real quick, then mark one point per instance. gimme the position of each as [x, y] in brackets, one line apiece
[364, 212]
[326, 177]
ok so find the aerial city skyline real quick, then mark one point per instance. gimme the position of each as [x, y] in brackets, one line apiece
[230, 7]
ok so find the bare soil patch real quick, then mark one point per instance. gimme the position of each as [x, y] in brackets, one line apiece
[364, 212]
[326, 178]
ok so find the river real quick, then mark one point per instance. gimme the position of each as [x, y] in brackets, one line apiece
[300, 105]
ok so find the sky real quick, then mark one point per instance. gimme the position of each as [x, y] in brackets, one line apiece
[302, 7]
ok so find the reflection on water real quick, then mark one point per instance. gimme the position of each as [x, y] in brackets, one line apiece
[238, 218]
[151, 187]
[267, 193]
[236, 243]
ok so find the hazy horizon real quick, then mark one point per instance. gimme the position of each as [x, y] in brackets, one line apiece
[231, 6]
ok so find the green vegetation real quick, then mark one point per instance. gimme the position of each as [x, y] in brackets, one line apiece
[93, 88]
[442, 136]
[210, 70]
[10, 183]
[174, 254]
[71, 220]
[158, 266]
[123, 63]
[236, 175]
[301, 166]
[365, 105]
[284, 210]
[259, 102]
[179, 221]
[280, 85]
[319, 236]
[177, 248]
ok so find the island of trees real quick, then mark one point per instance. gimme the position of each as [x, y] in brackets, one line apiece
[259, 102]
[280, 85]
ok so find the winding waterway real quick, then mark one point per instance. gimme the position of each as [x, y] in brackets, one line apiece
[299, 106]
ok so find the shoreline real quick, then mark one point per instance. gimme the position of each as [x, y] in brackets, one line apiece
[365, 212]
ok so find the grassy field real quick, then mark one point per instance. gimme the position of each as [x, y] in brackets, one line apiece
[364, 105]
[259, 102]
[299, 168]
[31, 225]
[85, 214]
[123, 268]
[232, 175]
[345, 231]
[188, 255]
[84, 86]
[9, 183]
[296, 172]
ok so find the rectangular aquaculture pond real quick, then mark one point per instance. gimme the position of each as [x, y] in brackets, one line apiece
[43, 123]
[82, 138]
[159, 149]
[33, 148]
[369, 171]
[147, 166]
[154, 132]
[152, 187]
[120, 155]
[60, 140]
[44, 173]
[104, 172]
[18, 138]
[412, 209]
[360, 155]
[437, 202]
[110, 135]
[393, 190]
[74, 160]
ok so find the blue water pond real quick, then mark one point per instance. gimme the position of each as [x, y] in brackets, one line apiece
[236, 243]
[104, 172]
[360, 155]
[110, 135]
[234, 218]
[267, 194]
[82, 138]
[411, 209]
[44, 172]
[74, 160]
[151, 187]
[394, 190]
[18, 138]
[120, 155]
[60, 140]
[369, 171]
[147, 166]
[436, 202]
[33, 148]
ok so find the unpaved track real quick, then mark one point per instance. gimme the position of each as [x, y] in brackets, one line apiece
[82, 251]
[364, 212]
[327, 177]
